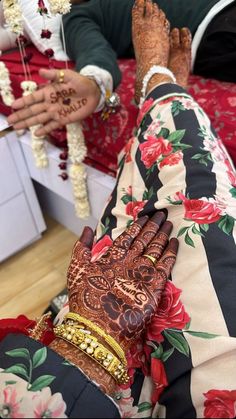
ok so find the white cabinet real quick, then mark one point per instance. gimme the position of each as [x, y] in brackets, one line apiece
[21, 220]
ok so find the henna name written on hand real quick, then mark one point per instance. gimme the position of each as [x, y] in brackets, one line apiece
[63, 94]
[64, 112]
[121, 290]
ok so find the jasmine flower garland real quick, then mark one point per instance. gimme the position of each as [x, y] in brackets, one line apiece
[5, 85]
[59, 6]
[77, 153]
[13, 16]
[37, 143]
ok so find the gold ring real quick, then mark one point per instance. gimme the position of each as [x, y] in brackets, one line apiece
[152, 259]
[61, 76]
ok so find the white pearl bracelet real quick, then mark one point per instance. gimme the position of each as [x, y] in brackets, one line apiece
[155, 69]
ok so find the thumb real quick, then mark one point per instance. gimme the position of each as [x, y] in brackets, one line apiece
[82, 248]
[51, 75]
[55, 75]
[81, 256]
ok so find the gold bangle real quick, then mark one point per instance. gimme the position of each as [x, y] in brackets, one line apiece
[83, 340]
[109, 339]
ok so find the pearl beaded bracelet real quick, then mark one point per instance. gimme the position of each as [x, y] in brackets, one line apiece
[155, 69]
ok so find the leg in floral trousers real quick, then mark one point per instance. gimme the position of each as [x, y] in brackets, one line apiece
[176, 162]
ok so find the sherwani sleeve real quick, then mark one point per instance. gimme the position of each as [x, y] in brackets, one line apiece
[87, 45]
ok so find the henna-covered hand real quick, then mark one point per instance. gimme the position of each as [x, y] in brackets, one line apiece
[56, 104]
[120, 292]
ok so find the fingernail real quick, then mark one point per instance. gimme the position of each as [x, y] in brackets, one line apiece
[87, 236]
[174, 245]
[142, 220]
[166, 228]
[158, 218]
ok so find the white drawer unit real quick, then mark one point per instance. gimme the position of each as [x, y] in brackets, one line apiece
[10, 184]
[21, 220]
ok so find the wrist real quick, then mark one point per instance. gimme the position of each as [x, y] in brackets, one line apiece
[89, 367]
[94, 89]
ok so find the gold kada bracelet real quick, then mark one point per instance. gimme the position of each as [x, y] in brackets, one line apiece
[108, 339]
[87, 343]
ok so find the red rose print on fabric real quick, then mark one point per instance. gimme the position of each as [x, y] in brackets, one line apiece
[220, 404]
[170, 314]
[153, 149]
[145, 108]
[137, 357]
[127, 150]
[201, 212]
[158, 375]
[231, 173]
[101, 247]
[172, 159]
[133, 208]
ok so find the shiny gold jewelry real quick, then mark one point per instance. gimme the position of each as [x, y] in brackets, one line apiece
[83, 339]
[40, 327]
[152, 259]
[61, 76]
[109, 339]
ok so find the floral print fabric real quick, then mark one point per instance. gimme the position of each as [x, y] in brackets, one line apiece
[35, 382]
[176, 162]
[185, 365]
[105, 140]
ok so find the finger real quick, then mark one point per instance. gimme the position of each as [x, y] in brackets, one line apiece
[43, 118]
[55, 75]
[157, 246]
[80, 253]
[30, 111]
[125, 240]
[168, 258]
[29, 100]
[163, 269]
[87, 237]
[51, 75]
[147, 233]
[81, 256]
[47, 129]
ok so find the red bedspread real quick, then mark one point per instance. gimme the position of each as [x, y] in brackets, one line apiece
[106, 139]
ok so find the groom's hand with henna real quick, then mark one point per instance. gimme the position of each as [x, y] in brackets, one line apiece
[56, 104]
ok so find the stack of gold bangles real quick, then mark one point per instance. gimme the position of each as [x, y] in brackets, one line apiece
[77, 330]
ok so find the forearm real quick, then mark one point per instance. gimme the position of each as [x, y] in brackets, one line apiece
[86, 43]
[90, 368]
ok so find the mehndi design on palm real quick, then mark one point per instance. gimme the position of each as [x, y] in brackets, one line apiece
[120, 292]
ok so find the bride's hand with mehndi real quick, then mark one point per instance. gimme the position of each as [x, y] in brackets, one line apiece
[121, 291]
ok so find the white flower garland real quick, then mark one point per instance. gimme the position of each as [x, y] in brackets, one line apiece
[5, 85]
[59, 6]
[13, 16]
[75, 136]
[37, 143]
[77, 153]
